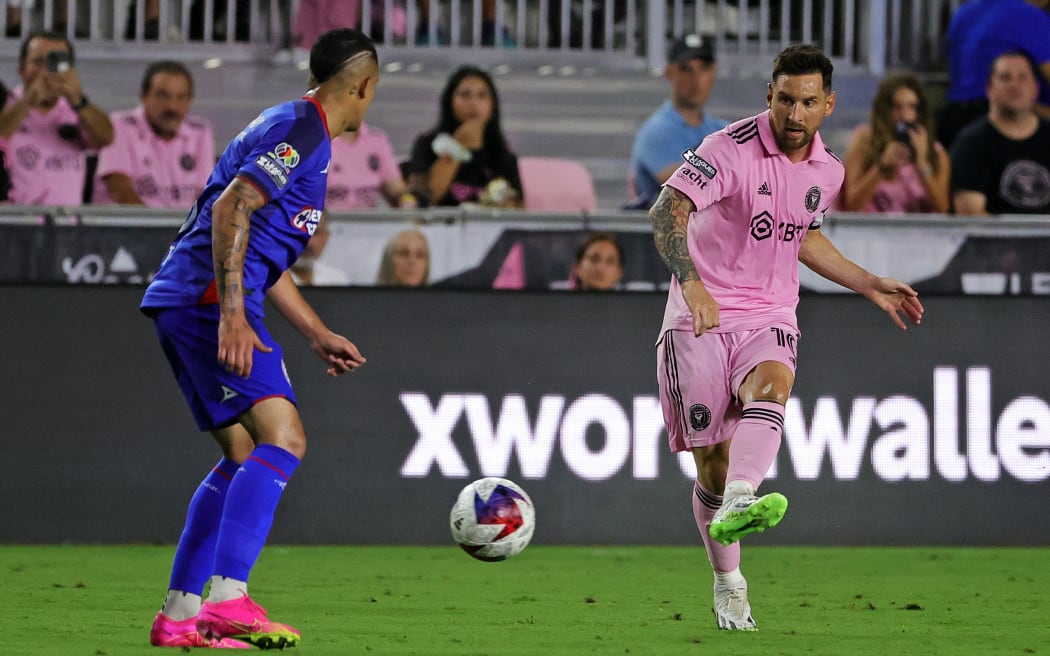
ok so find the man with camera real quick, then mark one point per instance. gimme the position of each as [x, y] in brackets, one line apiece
[49, 124]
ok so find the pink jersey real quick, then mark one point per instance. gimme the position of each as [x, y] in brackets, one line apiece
[754, 207]
[46, 156]
[163, 173]
[358, 170]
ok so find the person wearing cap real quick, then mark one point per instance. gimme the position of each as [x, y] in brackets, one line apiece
[679, 124]
[262, 202]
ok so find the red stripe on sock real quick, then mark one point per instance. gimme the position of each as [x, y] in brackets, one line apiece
[222, 473]
[279, 472]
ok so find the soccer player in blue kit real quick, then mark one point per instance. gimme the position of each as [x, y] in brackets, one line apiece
[258, 209]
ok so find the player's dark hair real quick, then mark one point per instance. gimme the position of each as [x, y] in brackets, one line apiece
[495, 143]
[47, 35]
[803, 60]
[165, 66]
[334, 48]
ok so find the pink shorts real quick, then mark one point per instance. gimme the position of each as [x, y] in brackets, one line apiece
[700, 376]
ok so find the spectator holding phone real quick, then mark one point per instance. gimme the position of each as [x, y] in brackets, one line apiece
[893, 164]
[48, 124]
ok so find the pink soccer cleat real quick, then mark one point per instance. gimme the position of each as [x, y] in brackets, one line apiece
[167, 632]
[243, 619]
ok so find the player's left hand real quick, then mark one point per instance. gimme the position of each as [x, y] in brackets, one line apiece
[897, 297]
[339, 353]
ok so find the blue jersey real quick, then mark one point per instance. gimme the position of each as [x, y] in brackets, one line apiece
[981, 30]
[660, 142]
[284, 153]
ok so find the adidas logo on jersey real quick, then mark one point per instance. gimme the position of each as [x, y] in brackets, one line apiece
[764, 190]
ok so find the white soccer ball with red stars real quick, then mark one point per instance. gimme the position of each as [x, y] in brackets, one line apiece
[492, 519]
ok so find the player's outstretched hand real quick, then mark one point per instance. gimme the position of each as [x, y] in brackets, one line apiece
[237, 343]
[339, 353]
[703, 306]
[896, 297]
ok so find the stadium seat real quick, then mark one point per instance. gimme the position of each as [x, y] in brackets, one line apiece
[556, 185]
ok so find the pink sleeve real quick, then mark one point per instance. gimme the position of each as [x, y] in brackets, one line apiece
[708, 172]
[116, 157]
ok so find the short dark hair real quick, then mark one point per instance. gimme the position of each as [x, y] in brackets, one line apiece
[47, 35]
[802, 60]
[1011, 53]
[332, 50]
[165, 66]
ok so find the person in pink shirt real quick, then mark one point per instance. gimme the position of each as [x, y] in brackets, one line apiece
[161, 155]
[48, 124]
[363, 171]
[893, 164]
[732, 224]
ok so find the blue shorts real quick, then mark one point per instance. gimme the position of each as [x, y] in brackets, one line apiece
[217, 398]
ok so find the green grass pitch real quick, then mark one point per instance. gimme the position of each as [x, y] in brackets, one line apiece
[550, 601]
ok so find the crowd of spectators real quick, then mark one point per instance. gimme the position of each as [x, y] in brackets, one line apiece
[985, 152]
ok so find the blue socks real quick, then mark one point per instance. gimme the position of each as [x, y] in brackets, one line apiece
[195, 555]
[250, 504]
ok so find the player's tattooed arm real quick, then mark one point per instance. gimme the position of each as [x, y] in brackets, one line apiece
[231, 220]
[670, 217]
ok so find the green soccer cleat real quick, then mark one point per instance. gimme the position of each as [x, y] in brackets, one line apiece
[747, 514]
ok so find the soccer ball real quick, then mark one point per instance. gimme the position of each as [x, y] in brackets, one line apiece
[492, 519]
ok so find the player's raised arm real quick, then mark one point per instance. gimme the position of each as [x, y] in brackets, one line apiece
[670, 217]
[820, 255]
[339, 353]
[231, 221]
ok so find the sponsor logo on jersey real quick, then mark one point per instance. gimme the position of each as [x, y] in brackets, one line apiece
[306, 220]
[813, 199]
[286, 155]
[762, 226]
[272, 169]
[700, 163]
[763, 190]
[692, 176]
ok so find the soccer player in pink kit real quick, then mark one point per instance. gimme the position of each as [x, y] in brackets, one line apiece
[732, 224]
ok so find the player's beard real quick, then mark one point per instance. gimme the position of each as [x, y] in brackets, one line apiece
[791, 142]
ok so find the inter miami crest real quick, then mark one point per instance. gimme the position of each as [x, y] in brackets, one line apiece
[813, 199]
[699, 416]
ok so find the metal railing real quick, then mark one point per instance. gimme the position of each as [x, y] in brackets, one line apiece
[872, 35]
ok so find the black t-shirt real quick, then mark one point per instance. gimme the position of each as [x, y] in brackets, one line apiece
[472, 177]
[1014, 176]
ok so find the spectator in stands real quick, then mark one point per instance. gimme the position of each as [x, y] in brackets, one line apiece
[1001, 163]
[16, 9]
[161, 155]
[679, 124]
[406, 261]
[308, 270]
[365, 170]
[5, 178]
[980, 31]
[575, 23]
[49, 124]
[599, 263]
[150, 20]
[465, 158]
[893, 163]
